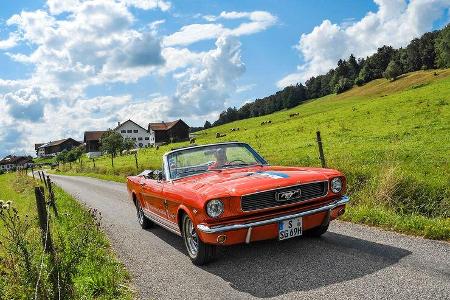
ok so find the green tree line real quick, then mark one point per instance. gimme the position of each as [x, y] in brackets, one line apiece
[430, 51]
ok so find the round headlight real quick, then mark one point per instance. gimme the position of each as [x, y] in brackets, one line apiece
[214, 208]
[336, 185]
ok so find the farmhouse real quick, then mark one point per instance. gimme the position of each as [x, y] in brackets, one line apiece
[11, 162]
[166, 132]
[131, 130]
[54, 147]
[92, 142]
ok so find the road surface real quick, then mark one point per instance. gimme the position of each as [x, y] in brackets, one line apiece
[348, 262]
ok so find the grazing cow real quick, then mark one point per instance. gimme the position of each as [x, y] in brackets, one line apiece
[192, 141]
[219, 135]
[269, 122]
[294, 115]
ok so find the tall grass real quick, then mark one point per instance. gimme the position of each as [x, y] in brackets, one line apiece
[83, 266]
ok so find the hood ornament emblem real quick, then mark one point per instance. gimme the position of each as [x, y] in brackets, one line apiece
[288, 195]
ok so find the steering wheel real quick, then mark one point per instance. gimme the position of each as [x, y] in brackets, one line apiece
[236, 160]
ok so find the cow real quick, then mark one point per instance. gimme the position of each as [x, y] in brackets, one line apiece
[192, 140]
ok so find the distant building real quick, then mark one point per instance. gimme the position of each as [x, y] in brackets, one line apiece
[168, 132]
[132, 130]
[54, 147]
[11, 162]
[36, 148]
[92, 142]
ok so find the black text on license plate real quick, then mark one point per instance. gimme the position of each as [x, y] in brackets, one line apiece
[289, 228]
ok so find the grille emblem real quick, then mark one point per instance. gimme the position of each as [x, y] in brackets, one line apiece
[288, 195]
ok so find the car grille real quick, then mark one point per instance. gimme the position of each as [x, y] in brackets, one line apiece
[267, 199]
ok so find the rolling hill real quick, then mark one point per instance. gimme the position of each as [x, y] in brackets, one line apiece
[391, 139]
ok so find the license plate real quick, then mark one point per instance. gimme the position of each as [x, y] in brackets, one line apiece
[289, 228]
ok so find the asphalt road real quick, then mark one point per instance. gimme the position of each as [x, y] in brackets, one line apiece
[348, 262]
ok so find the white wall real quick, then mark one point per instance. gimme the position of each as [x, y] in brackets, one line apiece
[141, 137]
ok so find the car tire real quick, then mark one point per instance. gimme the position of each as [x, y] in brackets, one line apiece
[316, 231]
[142, 219]
[199, 252]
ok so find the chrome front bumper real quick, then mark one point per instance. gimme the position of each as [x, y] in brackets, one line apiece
[223, 228]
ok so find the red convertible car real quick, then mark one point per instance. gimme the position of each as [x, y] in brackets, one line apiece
[226, 193]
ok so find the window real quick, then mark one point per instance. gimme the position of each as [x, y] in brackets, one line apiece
[133, 139]
[140, 145]
[129, 131]
[140, 138]
[123, 131]
[135, 131]
[147, 138]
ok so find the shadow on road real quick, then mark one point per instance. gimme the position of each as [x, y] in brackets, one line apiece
[271, 268]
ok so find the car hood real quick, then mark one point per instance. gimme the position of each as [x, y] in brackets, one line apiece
[238, 182]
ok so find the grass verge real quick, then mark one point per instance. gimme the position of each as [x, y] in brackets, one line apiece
[84, 265]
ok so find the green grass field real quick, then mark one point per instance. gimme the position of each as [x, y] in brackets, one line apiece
[391, 139]
[88, 269]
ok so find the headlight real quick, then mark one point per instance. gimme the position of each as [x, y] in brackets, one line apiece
[336, 185]
[214, 208]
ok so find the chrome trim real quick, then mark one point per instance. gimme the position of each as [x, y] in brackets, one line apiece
[223, 228]
[162, 222]
[285, 205]
[248, 236]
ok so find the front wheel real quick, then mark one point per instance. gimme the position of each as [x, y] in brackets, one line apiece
[199, 252]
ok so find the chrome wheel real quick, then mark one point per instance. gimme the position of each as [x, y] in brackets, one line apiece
[140, 214]
[199, 252]
[190, 237]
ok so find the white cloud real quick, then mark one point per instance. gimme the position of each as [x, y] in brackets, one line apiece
[10, 42]
[204, 89]
[258, 21]
[148, 4]
[395, 23]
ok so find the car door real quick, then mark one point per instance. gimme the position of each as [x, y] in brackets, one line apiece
[172, 199]
[152, 194]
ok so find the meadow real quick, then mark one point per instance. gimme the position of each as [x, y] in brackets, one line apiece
[390, 138]
[86, 267]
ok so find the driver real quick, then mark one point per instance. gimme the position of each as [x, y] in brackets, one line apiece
[221, 159]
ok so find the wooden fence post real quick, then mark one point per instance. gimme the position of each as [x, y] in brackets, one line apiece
[32, 171]
[93, 160]
[39, 173]
[321, 155]
[43, 219]
[52, 196]
[135, 159]
[43, 179]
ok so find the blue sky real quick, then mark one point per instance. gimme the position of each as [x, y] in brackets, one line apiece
[67, 66]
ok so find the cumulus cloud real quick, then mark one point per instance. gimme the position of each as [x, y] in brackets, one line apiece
[258, 21]
[10, 42]
[25, 104]
[204, 89]
[395, 23]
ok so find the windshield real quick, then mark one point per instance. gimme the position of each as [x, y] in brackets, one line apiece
[197, 160]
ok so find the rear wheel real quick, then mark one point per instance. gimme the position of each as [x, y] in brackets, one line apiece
[199, 252]
[142, 219]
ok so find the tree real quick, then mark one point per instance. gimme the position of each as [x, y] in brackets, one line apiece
[207, 125]
[343, 85]
[393, 70]
[442, 48]
[128, 144]
[111, 142]
[61, 157]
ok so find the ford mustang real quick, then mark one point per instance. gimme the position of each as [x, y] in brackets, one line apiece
[226, 193]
